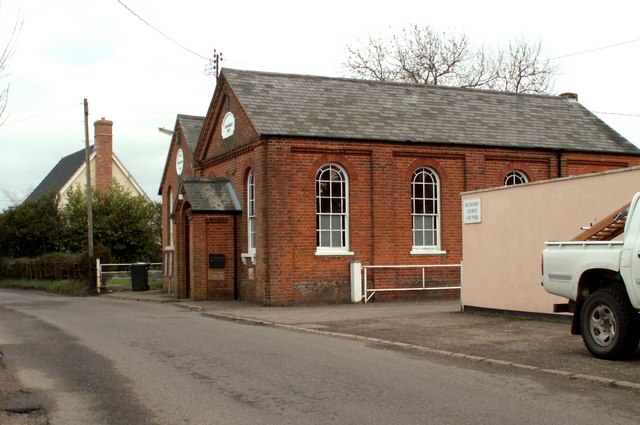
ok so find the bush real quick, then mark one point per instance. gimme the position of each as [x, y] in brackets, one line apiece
[32, 228]
[63, 287]
[56, 267]
[129, 225]
[47, 267]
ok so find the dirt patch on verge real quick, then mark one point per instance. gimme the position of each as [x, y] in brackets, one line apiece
[18, 405]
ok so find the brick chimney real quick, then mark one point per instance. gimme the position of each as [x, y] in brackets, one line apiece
[570, 96]
[104, 153]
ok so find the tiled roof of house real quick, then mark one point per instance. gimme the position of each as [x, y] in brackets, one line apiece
[191, 126]
[60, 174]
[310, 106]
[211, 195]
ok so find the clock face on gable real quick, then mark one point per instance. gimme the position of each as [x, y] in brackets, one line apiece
[179, 161]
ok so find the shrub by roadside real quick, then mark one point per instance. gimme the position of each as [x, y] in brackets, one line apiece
[73, 287]
[63, 287]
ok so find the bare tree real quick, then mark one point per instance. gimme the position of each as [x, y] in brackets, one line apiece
[521, 69]
[425, 56]
[5, 55]
[12, 197]
[372, 61]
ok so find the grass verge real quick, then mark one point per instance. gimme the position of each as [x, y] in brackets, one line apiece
[74, 287]
[125, 284]
[65, 287]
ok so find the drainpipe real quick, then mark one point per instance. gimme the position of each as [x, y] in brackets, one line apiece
[235, 258]
[559, 158]
[572, 98]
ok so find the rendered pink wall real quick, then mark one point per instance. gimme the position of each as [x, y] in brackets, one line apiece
[502, 253]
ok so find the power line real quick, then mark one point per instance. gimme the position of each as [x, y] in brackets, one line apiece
[162, 33]
[617, 113]
[596, 49]
[215, 64]
[32, 117]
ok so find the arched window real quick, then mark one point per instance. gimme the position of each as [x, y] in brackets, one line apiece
[170, 215]
[251, 213]
[515, 177]
[425, 200]
[332, 209]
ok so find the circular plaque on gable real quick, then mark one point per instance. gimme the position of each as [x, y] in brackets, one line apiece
[228, 125]
[179, 161]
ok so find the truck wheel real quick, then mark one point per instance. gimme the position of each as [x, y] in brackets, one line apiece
[610, 325]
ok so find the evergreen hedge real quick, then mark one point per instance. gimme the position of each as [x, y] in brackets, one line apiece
[55, 266]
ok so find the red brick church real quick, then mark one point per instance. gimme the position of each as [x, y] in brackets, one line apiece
[290, 178]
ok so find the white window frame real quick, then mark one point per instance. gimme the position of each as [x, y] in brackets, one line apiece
[342, 215]
[251, 220]
[515, 177]
[168, 262]
[170, 214]
[433, 217]
[251, 214]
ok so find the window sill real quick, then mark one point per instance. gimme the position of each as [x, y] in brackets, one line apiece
[418, 251]
[325, 253]
[246, 255]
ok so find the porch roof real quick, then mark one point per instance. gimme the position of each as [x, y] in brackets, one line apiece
[211, 195]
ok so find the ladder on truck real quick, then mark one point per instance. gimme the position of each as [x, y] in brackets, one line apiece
[607, 228]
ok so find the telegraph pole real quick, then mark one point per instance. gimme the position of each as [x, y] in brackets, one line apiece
[88, 173]
[213, 67]
[217, 57]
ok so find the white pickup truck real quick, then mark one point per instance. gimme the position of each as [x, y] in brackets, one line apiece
[601, 279]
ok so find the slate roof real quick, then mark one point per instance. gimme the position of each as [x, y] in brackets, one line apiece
[213, 195]
[191, 127]
[60, 174]
[323, 107]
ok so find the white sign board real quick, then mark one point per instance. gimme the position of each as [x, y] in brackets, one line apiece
[228, 125]
[179, 162]
[472, 211]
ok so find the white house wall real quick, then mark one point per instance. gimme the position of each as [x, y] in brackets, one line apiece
[124, 178]
[119, 174]
[79, 178]
[502, 253]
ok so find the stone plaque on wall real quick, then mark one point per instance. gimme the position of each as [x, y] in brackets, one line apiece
[215, 274]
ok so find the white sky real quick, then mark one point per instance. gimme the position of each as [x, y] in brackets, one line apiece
[69, 50]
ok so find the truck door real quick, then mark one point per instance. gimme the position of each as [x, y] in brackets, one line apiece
[630, 258]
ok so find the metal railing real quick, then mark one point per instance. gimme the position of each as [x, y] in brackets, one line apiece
[368, 293]
[122, 270]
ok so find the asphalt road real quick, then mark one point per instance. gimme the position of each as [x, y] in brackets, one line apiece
[105, 361]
